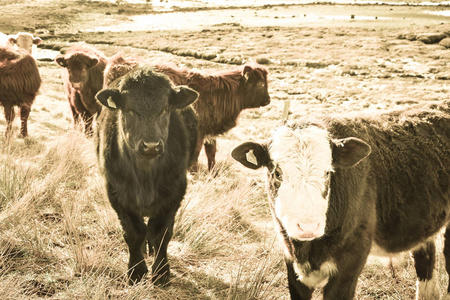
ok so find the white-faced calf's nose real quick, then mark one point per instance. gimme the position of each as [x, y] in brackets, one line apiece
[309, 229]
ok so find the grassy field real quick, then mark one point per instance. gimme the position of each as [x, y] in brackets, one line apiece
[59, 237]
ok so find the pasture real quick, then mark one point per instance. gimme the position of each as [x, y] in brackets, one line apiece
[59, 236]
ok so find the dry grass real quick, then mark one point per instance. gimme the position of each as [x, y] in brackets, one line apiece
[59, 237]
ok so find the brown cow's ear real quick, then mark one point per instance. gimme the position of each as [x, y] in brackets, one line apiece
[37, 41]
[60, 60]
[246, 72]
[92, 62]
[182, 97]
[252, 155]
[110, 98]
[349, 151]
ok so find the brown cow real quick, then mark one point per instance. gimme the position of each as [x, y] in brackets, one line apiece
[19, 84]
[223, 95]
[83, 78]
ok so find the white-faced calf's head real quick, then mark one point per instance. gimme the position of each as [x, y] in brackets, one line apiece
[300, 163]
[25, 40]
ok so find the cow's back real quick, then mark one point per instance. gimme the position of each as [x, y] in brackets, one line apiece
[410, 172]
[19, 76]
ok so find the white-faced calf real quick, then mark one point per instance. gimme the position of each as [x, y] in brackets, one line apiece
[349, 183]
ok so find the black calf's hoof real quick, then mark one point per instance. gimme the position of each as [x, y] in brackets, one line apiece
[136, 274]
[161, 279]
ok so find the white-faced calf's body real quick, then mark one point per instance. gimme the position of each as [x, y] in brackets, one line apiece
[331, 201]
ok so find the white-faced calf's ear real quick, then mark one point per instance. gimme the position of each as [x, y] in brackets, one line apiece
[251, 158]
[350, 151]
[12, 40]
[37, 40]
[252, 155]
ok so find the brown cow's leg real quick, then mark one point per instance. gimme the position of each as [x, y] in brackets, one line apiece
[198, 148]
[447, 258]
[76, 116]
[24, 113]
[87, 119]
[424, 261]
[9, 115]
[210, 150]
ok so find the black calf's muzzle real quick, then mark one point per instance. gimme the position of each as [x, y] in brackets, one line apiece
[151, 149]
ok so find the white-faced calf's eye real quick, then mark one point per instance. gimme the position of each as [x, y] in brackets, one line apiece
[278, 174]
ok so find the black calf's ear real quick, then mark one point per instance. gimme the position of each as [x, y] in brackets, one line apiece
[350, 151]
[182, 97]
[110, 98]
[251, 155]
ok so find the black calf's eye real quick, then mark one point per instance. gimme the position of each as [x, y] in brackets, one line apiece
[165, 110]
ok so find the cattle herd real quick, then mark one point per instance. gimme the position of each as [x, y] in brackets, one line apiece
[339, 186]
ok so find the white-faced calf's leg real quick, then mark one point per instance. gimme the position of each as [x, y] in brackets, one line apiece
[424, 261]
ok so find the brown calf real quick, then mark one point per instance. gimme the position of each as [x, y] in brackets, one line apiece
[83, 78]
[19, 84]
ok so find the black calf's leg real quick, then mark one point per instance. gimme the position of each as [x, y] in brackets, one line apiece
[297, 289]
[159, 233]
[135, 233]
[424, 261]
[135, 236]
[447, 258]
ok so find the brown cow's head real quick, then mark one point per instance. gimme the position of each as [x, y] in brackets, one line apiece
[144, 101]
[78, 65]
[300, 163]
[256, 87]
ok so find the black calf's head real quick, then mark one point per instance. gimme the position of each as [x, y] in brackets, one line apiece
[300, 162]
[145, 100]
